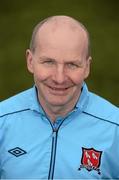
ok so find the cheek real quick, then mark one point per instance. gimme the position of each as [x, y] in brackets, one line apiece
[78, 77]
[40, 74]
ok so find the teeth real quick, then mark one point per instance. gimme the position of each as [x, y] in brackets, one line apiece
[58, 89]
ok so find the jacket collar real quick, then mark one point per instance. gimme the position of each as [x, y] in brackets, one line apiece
[83, 99]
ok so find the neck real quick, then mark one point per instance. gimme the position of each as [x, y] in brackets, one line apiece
[54, 111]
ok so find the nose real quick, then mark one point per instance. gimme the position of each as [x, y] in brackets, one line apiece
[59, 75]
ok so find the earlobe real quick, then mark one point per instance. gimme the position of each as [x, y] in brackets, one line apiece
[29, 58]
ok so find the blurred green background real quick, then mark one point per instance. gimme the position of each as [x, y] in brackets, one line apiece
[101, 17]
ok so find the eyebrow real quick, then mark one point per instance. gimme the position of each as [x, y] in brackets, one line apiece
[46, 58]
[77, 61]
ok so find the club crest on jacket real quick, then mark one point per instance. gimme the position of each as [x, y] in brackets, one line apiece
[91, 159]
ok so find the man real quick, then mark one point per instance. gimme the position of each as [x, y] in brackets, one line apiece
[58, 129]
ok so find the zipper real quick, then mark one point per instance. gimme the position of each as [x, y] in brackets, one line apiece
[54, 147]
[53, 154]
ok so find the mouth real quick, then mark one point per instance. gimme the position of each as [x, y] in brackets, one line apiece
[58, 90]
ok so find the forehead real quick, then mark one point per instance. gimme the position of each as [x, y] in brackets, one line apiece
[63, 37]
[61, 31]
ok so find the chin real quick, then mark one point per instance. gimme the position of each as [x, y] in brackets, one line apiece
[58, 103]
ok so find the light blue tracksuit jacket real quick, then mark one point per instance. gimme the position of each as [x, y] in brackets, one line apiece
[84, 144]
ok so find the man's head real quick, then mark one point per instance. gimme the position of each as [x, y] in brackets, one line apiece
[59, 60]
[52, 19]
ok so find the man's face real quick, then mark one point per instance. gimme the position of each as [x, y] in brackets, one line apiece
[59, 66]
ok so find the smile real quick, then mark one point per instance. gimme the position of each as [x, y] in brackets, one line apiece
[58, 91]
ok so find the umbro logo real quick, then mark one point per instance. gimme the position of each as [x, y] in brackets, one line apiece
[17, 151]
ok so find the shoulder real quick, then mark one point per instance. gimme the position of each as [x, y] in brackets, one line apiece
[16, 103]
[102, 109]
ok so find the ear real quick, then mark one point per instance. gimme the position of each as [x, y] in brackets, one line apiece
[29, 58]
[88, 64]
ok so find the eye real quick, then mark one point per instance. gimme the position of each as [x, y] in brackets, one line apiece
[72, 65]
[48, 62]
